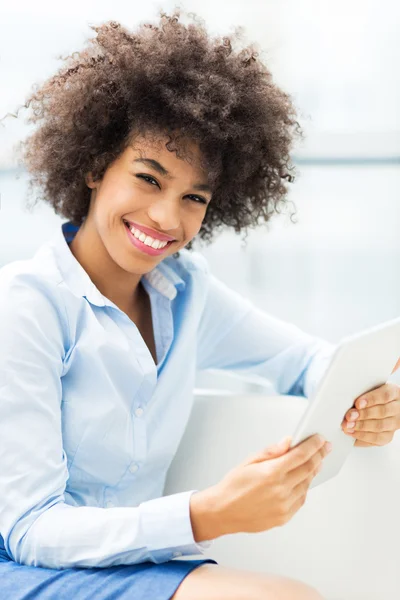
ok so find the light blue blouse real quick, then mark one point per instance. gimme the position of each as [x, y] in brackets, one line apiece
[89, 424]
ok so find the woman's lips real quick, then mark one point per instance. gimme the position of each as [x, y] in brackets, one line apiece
[153, 234]
[143, 247]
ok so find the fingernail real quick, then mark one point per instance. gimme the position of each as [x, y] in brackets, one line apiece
[354, 415]
[362, 404]
[351, 425]
[328, 447]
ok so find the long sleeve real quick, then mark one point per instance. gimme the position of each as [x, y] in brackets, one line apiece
[38, 527]
[236, 335]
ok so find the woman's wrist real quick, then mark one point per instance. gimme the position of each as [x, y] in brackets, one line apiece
[205, 515]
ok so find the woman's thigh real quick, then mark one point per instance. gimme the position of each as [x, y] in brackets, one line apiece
[214, 582]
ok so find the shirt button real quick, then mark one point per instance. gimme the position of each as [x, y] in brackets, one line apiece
[110, 504]
[177, 554]
[139, 412]
[133, 468]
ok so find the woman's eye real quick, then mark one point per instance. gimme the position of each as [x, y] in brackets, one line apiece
[199, 199]
[148, 178]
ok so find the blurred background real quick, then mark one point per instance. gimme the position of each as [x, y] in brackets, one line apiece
[332, 268]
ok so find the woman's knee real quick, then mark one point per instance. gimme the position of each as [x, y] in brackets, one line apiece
[287, 588]
[214, 582]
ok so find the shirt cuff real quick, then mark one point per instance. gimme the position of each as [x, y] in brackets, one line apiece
[167, 527]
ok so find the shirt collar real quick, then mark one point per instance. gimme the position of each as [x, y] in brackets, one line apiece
[163, 278]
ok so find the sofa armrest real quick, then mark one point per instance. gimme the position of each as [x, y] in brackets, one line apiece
[344, 540]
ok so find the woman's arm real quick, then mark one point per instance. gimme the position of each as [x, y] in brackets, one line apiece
[38, 527]
[236, 335]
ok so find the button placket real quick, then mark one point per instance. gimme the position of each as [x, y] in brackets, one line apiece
[161, 314]
[140, 435]
[166, 331]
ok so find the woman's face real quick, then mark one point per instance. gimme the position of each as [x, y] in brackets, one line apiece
[147, 186]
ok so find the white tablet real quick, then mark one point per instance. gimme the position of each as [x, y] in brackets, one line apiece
[360, 363]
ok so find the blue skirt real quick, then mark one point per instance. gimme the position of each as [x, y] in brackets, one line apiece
[148, 580]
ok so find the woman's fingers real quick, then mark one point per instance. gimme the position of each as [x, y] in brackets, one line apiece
[300, 454]
[308, 470]
[299, 493]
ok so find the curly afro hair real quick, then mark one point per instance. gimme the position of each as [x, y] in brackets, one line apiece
[171, 78]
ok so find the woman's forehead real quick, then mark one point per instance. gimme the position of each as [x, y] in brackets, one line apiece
[188, 155]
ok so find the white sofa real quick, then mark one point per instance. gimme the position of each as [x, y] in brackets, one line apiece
[345, 539]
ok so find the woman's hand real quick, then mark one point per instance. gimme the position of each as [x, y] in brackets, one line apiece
[375, 416]
[262, 492]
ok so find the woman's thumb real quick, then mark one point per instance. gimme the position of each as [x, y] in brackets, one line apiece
[274, 450]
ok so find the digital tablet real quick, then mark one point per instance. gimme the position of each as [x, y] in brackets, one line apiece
[359, 364]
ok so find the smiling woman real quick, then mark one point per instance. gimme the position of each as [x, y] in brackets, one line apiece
[145, 140]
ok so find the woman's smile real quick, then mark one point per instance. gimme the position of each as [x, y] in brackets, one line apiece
[145, 243]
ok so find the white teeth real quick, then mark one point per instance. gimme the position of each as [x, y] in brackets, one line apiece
[146, 239]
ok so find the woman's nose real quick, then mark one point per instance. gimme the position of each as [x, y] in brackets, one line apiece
[165, 212]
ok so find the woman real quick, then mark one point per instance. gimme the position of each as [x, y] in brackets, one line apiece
[146, 140]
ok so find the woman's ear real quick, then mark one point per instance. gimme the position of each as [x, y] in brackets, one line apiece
[89, 180]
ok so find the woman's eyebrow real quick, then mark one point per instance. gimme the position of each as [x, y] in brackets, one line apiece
[204, 187]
